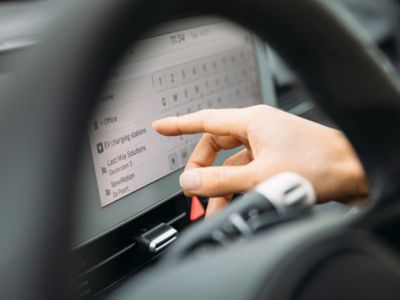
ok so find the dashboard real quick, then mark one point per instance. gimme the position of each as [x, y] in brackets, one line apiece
[130, 205]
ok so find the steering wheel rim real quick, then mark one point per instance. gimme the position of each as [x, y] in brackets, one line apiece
[350, 80]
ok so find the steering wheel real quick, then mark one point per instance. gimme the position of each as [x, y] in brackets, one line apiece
[45, 110]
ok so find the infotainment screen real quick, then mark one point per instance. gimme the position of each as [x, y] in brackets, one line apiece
[185, 66]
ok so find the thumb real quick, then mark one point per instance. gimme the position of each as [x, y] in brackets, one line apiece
[215, 204]
[218, 181]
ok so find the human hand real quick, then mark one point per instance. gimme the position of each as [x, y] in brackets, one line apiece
[274, 141]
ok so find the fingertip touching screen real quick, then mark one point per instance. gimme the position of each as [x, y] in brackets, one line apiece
[186, 66]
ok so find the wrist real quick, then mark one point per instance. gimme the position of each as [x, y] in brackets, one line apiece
[354, 180]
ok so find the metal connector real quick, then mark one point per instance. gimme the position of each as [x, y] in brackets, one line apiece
[158, 238]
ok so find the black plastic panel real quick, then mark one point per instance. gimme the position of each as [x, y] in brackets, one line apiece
[101, 264]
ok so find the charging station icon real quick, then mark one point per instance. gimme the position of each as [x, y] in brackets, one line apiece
[100, 148]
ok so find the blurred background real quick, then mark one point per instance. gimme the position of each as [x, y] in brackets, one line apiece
[23, 22]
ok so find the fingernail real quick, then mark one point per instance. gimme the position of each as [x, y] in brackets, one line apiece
[154, 124]
[190, 180]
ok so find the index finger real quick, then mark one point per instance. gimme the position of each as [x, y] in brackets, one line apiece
[214, 121]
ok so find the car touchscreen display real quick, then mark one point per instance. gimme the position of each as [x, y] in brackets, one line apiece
[209, 66]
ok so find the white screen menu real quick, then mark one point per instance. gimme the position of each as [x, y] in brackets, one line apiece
[210, 66]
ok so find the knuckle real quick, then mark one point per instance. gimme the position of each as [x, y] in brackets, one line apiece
[220, 180]
[263, 109]
[210, 139]
[179, 125]
[228, 162]
[257, 178]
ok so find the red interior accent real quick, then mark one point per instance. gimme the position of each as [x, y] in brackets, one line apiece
[196, 209]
